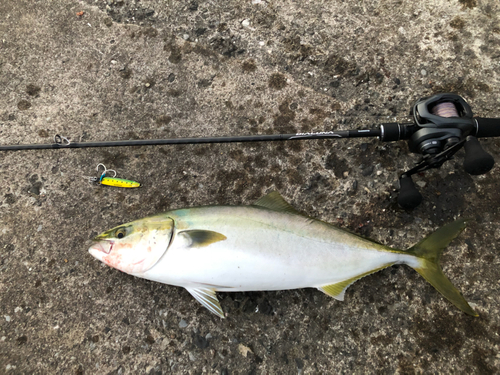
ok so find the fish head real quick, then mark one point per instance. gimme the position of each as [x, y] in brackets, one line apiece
[135, 247]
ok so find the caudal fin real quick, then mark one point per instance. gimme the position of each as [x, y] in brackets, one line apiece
[429, 252]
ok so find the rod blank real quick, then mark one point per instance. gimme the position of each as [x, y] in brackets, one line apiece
[171, 141]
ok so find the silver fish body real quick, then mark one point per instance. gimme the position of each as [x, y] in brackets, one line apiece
[265, 250]
[265, 246]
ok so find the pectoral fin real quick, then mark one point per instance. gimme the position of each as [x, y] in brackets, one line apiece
[208, 299]
[202, 238]
[337, 290]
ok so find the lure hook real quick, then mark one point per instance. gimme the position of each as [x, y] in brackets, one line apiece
[105, 171]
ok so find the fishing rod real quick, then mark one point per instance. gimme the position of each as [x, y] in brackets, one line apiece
[442, 125]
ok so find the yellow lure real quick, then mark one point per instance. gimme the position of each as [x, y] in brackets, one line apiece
[118, 182]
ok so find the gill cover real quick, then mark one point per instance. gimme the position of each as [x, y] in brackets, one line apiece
[134, 247]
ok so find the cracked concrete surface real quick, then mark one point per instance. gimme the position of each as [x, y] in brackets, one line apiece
[109, 70]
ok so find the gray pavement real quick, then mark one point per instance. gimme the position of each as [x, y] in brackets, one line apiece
[113, 70]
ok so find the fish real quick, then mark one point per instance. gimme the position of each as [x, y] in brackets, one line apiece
[265, 246]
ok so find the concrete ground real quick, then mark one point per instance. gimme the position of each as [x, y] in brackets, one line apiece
[109, 70]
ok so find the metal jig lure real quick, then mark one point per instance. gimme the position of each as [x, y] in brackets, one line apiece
[112, 180]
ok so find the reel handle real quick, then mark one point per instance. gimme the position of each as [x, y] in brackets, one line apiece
[477, 161]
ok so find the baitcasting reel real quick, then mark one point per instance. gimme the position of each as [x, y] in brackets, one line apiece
[442, 125]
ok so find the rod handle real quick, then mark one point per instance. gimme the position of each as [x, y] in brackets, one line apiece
[487, 127]
[409, 196]
[477, 161]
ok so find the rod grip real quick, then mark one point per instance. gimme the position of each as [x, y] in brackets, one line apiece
[409, 197]
[477, 161]
[487, 127]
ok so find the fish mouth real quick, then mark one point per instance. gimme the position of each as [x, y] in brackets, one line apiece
[101, 247]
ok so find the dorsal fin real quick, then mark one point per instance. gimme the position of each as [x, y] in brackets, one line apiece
[274, 201]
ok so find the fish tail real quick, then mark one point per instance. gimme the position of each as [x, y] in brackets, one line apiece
[429, 252]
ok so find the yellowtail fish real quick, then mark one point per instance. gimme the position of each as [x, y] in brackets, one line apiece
[265, 246]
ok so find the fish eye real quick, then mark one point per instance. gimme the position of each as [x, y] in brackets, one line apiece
[120, 233]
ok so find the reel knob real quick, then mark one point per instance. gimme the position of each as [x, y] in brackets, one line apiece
[477, 161]
[409, 196]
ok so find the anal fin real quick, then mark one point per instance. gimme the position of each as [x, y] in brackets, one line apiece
[208, 299]
[338, 289]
